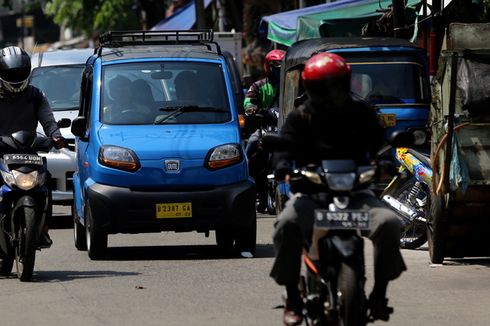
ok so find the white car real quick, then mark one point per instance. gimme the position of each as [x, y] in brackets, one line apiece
[58, 74]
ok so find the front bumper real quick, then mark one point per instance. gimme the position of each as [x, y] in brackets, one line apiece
[122, 210]
[61, 165]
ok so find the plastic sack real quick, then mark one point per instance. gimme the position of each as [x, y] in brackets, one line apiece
[459, 177]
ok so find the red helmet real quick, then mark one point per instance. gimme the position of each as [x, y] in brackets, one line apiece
[274, 55]
[326, 76]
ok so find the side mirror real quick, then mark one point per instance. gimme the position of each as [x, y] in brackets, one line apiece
[402, 139]
[78, 126]
[64, 123]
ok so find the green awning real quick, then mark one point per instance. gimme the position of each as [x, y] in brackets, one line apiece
[340, 17]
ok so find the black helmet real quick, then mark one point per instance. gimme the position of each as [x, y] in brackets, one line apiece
[15, 69]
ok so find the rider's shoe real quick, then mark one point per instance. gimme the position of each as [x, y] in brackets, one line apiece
[379, 309]
[261, 207]
[44, 240]
[293, 313]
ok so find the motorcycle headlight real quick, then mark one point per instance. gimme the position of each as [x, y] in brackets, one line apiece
[341, 181]
[25, 181]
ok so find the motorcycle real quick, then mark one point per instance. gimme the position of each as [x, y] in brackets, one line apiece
[332, 286]
[23, 200]
[409, 195]
[260, 161]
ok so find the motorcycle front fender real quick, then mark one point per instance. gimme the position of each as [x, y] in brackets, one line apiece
[22, 202]
[347, 246]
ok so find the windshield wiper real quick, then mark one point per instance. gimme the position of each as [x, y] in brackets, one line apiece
[178, 110]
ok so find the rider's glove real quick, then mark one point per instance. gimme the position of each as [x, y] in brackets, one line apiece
[251, 109]
[59, 142]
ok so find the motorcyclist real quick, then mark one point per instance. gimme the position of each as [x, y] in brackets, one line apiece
[262, 96]
[22, 105]
[330, 124]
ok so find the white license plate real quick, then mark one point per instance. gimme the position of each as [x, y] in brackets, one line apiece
[353, 219]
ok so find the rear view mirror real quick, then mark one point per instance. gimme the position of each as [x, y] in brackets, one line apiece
[402, 139]
[64, 123]
[162, 75]
[78, 127]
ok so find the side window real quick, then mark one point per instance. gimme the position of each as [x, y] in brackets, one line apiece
[291, 91]
[86, 93]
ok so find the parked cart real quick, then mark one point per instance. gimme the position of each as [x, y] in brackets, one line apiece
[459, 224]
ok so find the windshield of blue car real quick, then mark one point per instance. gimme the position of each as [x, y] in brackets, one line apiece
[169, 92]
[60, 84]
[390, 80]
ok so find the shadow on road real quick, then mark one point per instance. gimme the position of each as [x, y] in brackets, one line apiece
[480, 261]
[66, 276]
[189, 252]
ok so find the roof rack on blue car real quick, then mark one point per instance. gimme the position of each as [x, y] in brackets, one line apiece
[133, 38]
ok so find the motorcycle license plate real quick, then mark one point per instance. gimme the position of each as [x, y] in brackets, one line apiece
[31, 159]
[325, 219]
[174, 210]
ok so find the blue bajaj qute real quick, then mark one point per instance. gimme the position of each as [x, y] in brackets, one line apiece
[158, 143]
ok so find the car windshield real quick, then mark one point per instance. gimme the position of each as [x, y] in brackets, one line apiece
[389, 80]
[167, 92]
[61, 84]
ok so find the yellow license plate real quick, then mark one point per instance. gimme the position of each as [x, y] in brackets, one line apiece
[174, 210]
[389, 120]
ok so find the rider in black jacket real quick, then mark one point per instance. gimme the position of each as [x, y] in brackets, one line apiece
[331, 125]
[22, 106]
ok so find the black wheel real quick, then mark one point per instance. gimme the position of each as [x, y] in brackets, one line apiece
[96, 240]
[271, 199]
[351, 288]
[246, 238]
[225, 239]
[25, 249]
[6, 265]
[414, 233]
[78, 232]
[436, 230]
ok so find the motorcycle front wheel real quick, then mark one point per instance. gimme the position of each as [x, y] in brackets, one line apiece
[25, 248]
[414, 233]
[352, 299]
[6, 265]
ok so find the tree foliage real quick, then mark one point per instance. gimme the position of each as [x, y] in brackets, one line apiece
[93, 16]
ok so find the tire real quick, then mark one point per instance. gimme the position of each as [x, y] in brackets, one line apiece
[79, 237]
[352, 301]
[436, 230]
[25, 250]
[6, 265]
[413, 234]
[246, 239]
[96, 241]
[225, 239]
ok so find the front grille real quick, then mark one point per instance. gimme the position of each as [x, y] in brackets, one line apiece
[69, 180]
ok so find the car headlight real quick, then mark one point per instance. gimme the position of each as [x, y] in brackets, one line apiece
[223, 156]
[119, 158]
[341, 181]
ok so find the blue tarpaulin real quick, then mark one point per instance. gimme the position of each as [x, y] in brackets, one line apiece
[182, 19]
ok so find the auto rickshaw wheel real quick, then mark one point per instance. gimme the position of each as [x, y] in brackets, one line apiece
[436, 229]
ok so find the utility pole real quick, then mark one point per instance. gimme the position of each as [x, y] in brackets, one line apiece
[200, 14]
[399, 18]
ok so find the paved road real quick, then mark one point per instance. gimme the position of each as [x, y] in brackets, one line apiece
[181, 279]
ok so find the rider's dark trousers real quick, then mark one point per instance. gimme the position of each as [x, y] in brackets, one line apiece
[295, 225]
